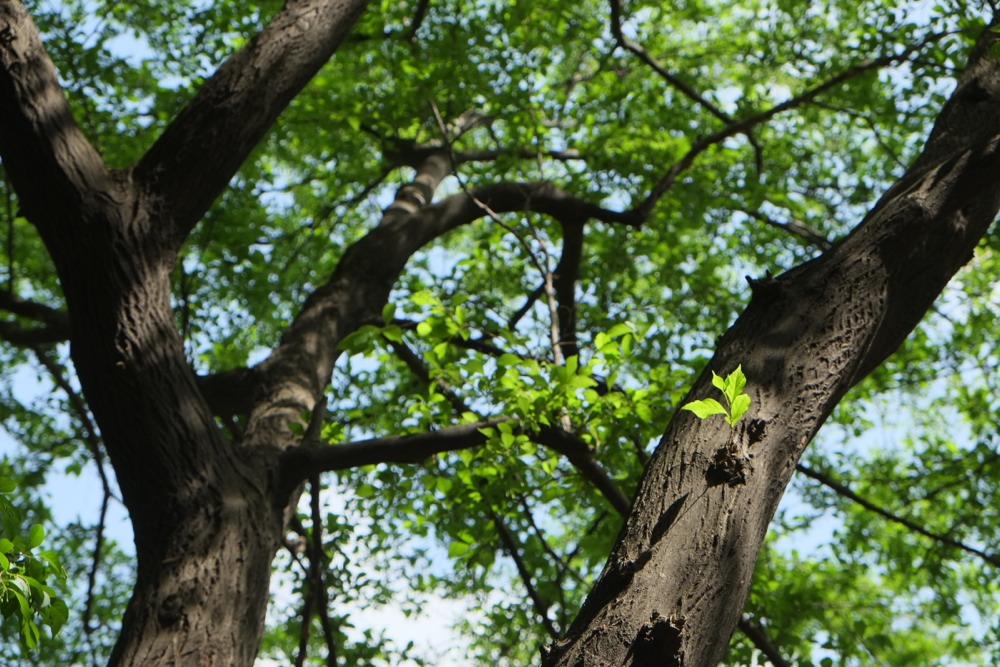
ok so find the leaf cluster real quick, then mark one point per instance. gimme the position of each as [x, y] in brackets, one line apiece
[25, 596]
[737, 402]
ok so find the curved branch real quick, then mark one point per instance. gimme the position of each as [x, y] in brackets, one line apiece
[557, 439]
[745, 125]
[796, 227]
[511, 547]
[755, 633]
[51, 165]
[583, 459]
[198, 153]
[298, 370]
[634, 47]
[842, 489]
[675, 81]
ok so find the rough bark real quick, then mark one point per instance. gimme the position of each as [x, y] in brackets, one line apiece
[673, 589]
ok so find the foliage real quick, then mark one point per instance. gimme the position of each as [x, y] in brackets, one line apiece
[25, 597]
[467, 335]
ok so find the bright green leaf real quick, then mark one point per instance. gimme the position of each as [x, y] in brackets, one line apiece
[705, 408]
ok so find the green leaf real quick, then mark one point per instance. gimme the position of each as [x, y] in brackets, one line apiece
[423, 298]
[718, 382]
[740, 405]
[619, 330]
[705, 408]
[457, 549]
[736, 381]
[388, 312]
[36, 536]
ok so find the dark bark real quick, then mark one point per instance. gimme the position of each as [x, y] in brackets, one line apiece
[673, 589]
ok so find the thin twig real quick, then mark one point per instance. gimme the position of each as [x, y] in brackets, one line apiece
[418, 20]
[93, 443]
[755, 633]
[511, 547]
[675, 81]
[845, 491]
[745, 125]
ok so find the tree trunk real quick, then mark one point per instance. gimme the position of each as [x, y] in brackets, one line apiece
[204, 512]
[201, 600]
[673, 589]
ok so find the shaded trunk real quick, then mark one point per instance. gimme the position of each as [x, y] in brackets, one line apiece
[206, 518]
[206, 525]
[201, 599]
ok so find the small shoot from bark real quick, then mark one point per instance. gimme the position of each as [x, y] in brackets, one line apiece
[737, 402]
[729, 465]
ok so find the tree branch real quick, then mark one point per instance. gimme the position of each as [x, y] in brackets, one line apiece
[759, 638]
[93, 442]
[561, 563]
[39, 312]
[300, 367]
[20, 336]
[687, 550]
[796, 227]
[557, 439]
[845, 491]
[634, 47]
[47, 157]
[198, 153]
[567, 273]
[643, 210]
[418, 20]
[675, 81]
[582, 458]
[511, 547]
[313, 458]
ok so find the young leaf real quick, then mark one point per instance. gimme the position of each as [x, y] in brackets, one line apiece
[740, 405]
[705, 408]
[737, 381]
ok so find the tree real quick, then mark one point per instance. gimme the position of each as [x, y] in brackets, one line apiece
[217, 237]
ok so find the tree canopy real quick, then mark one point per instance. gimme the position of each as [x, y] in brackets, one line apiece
[516, 233]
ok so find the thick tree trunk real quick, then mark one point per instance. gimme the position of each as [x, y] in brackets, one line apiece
[673, 589]
[201, 599]
[204, 514]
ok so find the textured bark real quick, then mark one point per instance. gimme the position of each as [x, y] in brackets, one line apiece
[673, 589]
